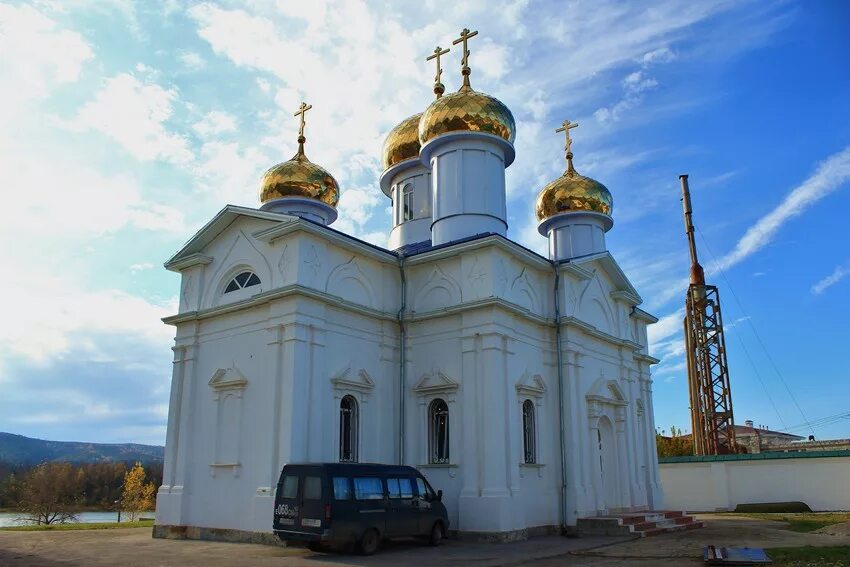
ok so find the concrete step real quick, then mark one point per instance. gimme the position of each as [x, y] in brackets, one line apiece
[643, 524]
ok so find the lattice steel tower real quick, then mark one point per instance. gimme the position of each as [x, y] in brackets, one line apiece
[712, 422]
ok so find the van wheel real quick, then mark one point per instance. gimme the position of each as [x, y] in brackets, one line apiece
[369, 542]
[436, 537]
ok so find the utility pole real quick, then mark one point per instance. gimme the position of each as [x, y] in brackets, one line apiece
[712, 421]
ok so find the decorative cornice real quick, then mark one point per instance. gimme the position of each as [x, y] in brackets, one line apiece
[299, 225]
[442, 384]
[268, 296]
[364, 385]
[646, 358]
[493, 240]
[644, 316]
[228, 379]
[576, 271]
[188, 261]
[529, 385]
[625, 296]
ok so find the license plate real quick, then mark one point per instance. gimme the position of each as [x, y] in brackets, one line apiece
[311, 523]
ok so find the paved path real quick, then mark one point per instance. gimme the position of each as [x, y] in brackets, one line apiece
[136, 547]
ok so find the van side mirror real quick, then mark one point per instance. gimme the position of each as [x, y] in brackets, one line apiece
[440, 495]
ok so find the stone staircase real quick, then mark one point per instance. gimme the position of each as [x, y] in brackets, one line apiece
[641, 524]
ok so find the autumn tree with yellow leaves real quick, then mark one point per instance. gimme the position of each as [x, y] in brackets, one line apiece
[136, 495]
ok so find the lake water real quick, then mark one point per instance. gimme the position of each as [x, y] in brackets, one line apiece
[14, 519]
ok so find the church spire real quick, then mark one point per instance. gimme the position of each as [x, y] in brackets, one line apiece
[568, 147]
[439, 88]
[465, 34]
[302, 111]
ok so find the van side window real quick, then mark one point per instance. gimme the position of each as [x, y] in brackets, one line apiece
[400, 488]
[312, 488]
[290, 486]
[368, 489]
[342, 488]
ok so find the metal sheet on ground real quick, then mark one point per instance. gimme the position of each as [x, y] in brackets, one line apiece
[715, 555]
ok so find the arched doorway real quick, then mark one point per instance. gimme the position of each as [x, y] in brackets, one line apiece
[609, 472]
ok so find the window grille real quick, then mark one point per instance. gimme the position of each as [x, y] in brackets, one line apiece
[348, 430]
[439, 432]
[529, 440]
[407, 203]
[241, 281]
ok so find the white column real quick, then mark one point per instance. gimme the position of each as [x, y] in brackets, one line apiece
[622, 457]
[275, 336]
[575, 452]
[655, 490]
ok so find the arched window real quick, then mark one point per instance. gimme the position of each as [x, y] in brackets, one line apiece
[348, 430]
[438, 417]
[529, 440]
[407, 203]
[242, 280]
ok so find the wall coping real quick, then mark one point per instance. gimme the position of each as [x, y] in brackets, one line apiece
[755, 457]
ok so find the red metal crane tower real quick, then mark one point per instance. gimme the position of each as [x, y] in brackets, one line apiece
[712, 422]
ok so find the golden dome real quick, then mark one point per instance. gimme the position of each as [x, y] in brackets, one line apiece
[402, 142]
[467, 110]
[299, 177]
[573, 192]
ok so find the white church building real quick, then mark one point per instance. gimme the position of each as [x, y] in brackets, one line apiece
[516, 383]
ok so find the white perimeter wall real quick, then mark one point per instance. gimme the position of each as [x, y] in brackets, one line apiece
[820, 482]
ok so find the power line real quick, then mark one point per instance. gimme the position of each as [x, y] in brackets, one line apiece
[755, 331]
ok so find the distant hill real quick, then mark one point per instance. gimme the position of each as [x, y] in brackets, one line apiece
[20, 450]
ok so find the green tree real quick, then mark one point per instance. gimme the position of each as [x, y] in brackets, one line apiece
[136, 495]
[676, 445]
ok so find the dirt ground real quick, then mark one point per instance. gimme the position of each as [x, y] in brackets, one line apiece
[136, 547]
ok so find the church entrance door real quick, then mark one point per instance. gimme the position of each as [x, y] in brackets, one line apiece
[608, 463]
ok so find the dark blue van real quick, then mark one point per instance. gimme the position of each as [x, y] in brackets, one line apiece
[343, 503]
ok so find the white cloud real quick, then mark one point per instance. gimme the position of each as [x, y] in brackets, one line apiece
[829, 176]
[192, 60]
[666, 326]
[37, 52]
[215, 122]
[136, 268]
[47, 316]
[38, 56]
[635, 84]
[135, 113]
[660, 55]
[836, 276]
[356, 207]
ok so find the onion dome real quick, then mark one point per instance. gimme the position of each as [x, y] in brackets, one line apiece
[572, 192]
[467, 110]
[299, 177]
[402, 142]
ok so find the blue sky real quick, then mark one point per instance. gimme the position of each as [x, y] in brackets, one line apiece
[124, 127]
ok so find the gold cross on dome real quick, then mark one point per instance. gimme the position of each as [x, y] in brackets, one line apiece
[566, 127]
[302, 110]
[464, 37]
[437, 53]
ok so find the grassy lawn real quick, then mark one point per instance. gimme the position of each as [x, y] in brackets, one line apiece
[96, 526]
[803, 522]
[810, 556]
